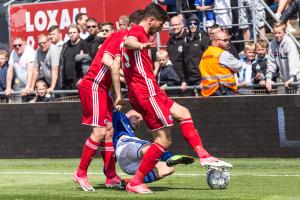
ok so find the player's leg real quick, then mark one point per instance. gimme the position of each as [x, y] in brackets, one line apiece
[93, 115]
[179, 159]
[162, 140]
[158, 119]
[191, 135]
[107, 153]
[160, 171]
[169, 158]
[89, 150]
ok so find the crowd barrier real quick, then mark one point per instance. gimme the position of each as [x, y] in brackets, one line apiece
[174, 91]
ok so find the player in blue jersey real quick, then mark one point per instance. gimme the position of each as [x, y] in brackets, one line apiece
[129, 150]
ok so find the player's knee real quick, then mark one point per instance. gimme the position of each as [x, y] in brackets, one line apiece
[182, 113]
[185, 113]
[98, 134]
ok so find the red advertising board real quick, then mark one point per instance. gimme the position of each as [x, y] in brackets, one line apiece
[30, 20]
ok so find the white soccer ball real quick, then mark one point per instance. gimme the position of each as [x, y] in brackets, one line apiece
[217, 179]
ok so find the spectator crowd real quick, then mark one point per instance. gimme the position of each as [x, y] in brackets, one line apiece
[199, 51]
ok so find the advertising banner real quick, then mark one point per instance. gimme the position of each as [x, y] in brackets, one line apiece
[30, 20]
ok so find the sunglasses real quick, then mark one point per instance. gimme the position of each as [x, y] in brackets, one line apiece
[193, 24]
[105, 30]
[17, 45]
[93, 26]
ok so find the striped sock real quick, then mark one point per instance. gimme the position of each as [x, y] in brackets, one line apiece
[149, 161]
[166, 155]
[150, 177]
[107, 153]
[191, 135]
[89, 150]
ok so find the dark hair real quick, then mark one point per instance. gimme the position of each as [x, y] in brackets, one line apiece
[107, 23]
[215, 26]
[79, 16]
[74, 26]
[137, 16]
[52, 28]
[91, 20]
[156, 11]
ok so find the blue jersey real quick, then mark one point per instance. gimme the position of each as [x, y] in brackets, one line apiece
[208, 14]
[122, 126]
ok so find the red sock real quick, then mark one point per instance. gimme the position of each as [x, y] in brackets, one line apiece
[191, 135]
[149, 161]
[89, 150]
[107, 153]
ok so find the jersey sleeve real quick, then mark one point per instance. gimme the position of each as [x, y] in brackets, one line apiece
[113, 48]
[136, 32]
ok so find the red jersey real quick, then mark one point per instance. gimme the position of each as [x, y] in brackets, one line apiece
[98, 76]
[138, 67]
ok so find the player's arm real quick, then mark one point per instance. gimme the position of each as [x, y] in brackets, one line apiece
[108, 60]
[114, 66]
[132, 43]
[115, 74]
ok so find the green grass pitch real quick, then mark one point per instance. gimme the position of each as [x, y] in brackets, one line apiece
[251, 179]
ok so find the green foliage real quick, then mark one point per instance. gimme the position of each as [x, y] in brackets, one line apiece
[251, 179]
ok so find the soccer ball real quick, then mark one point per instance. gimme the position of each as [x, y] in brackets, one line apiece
[217, 179]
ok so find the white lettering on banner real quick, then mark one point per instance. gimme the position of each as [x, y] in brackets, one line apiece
[65, 20]
[42, 20]
[52, 17]
[29, 26]
[284, 142]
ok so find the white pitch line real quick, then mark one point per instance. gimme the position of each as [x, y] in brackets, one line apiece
[175, 174]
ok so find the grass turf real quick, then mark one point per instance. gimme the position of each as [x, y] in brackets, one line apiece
[251, 179]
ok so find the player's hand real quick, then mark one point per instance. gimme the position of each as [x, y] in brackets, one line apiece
[118, 103]
[147, 45]
[269, 85]
[287, 84]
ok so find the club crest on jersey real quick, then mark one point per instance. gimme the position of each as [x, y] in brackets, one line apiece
[106, 121]
[171, 117]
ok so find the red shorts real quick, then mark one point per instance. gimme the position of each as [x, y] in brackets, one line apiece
[155, 110]
[96, 107]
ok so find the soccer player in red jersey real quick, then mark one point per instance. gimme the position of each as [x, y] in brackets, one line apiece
[97, 107]
[156, 108]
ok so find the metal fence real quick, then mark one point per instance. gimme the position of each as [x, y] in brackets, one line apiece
[173, 92]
